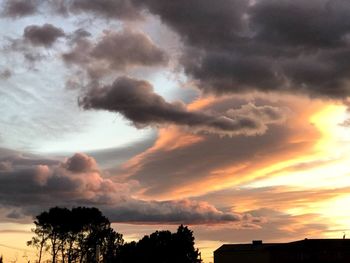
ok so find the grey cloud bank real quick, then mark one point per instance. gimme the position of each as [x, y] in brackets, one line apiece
[239, 46]
[28, 185]
[233, 46]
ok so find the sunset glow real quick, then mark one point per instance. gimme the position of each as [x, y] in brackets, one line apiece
[230, 117]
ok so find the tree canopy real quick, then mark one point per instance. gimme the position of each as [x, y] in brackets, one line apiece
[84, 235]
[162, 247]
[77, 235]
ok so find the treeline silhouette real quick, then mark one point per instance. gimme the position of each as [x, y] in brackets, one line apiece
[85, 235]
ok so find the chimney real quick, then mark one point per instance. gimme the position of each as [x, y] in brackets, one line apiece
[257, 242]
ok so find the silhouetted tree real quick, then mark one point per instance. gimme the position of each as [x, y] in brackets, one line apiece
[78, 235]
[1, 259]
[110, 245]
[47, 228]
[84, 235]
[183, 241]
[162, 247]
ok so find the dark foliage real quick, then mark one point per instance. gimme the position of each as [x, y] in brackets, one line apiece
[84, 235]
[162, 247]
[78, 235]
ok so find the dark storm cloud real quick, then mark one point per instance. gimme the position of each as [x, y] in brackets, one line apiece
[19, 8]
[201, 23]
[315, 23]
[238, 46]
[44, 35]
[119, 50]
[121, 9]
[108, 9]
[233, 46]
[137, 102]
[37, 184]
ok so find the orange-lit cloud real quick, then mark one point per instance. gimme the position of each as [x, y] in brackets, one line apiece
[181, 164]
[280, 198]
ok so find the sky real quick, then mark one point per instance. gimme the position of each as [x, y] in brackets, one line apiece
[230, 116]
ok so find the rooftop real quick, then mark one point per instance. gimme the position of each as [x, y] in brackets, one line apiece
[306, 243]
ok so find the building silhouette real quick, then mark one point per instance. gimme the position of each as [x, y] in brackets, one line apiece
[303, 251]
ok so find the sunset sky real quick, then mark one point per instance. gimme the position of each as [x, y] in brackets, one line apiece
[230, 116]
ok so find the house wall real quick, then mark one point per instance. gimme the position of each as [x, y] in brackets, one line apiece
[311, 256]
[241, 257]
[285, 255]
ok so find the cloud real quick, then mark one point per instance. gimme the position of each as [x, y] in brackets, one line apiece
[276, 205]
[30, 53]
[14, 214]
[111, 158]
[224, 14]
[182, 165]
[128, 48]
[78, 34]
[170, 212]
[209, 164]
[79, 163]
[302, 166]
[37, 181]
[327, 27]
[278, 198]
[5, 166]
[32, 185]
[45, 35]
[108, 9]
[116, 51]
[279, 227]
[121, 9]
[5, 152]
[5, 74]
[19, 8]
[266, 45]
[137, 102]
